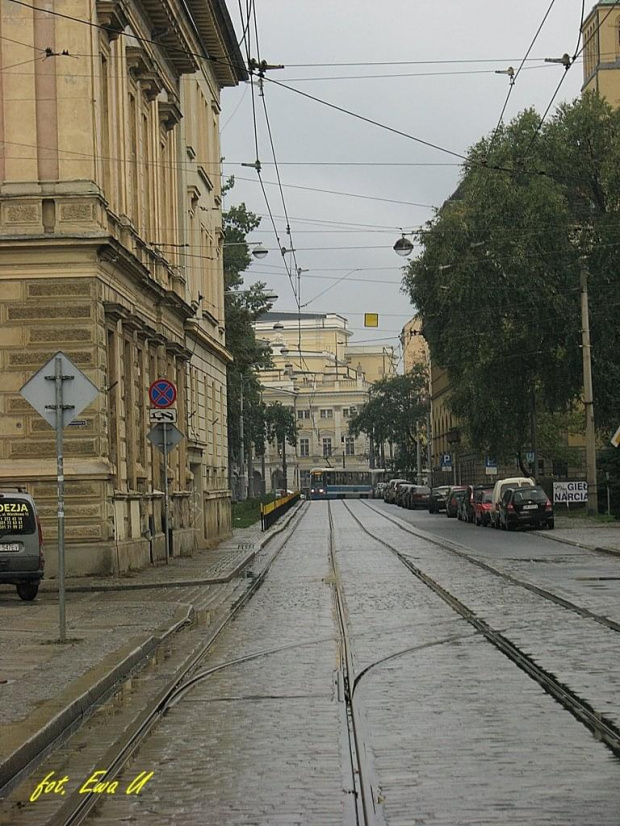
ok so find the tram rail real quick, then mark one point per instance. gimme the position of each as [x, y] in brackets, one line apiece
[603, 729]
[78, 806]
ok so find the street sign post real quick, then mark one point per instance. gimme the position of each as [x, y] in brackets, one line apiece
[59, 391]
[615, 439]
[446, 462]
[167, 415]
[490, 466]
[162, 393]
[165, 436]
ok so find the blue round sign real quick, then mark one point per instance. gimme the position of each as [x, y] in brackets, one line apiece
[162, 393]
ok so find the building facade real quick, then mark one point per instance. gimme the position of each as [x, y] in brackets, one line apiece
[601, 54]
[315, 375]
[110, 250]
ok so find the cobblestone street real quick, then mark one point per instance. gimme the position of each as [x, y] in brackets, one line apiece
[445, 728]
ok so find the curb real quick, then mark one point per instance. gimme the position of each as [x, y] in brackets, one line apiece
[33, 737]
[599, 549]
[176, 583]
[93, 686]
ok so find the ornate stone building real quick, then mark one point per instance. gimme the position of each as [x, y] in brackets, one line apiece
[110, 250]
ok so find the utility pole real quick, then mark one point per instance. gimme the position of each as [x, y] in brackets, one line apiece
[588, 397]
[242, 487]
[418, 454]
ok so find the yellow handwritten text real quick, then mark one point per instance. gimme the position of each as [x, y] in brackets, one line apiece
[49, 786]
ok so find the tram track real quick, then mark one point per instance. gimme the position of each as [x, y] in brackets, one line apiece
[78, 806]
[603, 729]
[513, 580]
[365, 785]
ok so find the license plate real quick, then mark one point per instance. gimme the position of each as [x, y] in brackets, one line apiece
[530, 507]
[13, 546]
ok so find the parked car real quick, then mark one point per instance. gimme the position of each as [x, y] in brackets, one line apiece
[453, 500]
[467, 507]
[402, 494]
[419, 497]
[501, 486]
[390, 491]
[437, 499]
[525, 506]
[379, 490]
[482, 506]
[21, 543]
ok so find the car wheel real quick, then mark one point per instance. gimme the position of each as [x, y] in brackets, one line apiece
[550, 524]
[27, 590]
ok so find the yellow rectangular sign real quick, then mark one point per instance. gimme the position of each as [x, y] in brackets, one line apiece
[615, 439]
[371, 319]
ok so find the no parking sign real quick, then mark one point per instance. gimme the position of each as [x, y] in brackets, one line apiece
[162, 393]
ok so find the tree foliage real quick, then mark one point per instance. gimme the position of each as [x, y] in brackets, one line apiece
[396, 413]
[498, 282]
[242, 308]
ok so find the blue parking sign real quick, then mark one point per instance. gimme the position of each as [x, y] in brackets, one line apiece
[446, 461]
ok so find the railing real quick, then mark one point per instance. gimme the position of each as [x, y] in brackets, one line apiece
[272, 511]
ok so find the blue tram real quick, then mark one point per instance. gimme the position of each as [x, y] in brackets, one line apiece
[339, 483]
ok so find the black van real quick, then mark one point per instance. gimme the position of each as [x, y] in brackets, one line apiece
[21, 543]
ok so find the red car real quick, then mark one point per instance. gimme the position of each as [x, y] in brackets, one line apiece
[483, 502]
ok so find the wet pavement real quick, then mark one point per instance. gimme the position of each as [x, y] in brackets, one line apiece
[453, 731]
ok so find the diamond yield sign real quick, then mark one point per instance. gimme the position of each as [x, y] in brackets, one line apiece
[173, 436]
[78, 391]
[162, 393]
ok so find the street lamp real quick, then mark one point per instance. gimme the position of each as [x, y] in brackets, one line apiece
[403, 246]
[260, 251]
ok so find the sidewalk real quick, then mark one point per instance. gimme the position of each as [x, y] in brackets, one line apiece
[113, 624]
[585, 533]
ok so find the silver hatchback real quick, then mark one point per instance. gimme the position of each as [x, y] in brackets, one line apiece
[21, 543]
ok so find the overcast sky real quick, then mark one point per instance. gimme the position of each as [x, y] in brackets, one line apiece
[435, 98]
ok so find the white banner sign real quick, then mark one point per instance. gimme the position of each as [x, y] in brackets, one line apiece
[570, 492]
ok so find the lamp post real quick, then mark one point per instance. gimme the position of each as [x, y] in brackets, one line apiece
[588, 397]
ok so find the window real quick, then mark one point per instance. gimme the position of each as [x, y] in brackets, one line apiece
[349, 446]
[327, 413]
[304, 479]
[303, 414]
[346, 412]
[327, 445]
[304, 447]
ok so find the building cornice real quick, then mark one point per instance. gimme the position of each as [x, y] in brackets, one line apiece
[194, 330]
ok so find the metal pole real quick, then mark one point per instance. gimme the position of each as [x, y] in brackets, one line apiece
[588, 397]
[418, 455]
[242, 487]
[166, 503]
[429, 449]
[61, 498]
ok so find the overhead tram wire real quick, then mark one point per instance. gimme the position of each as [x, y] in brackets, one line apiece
[240, 69]
[298, 269]
[514, 78]
[569, 65]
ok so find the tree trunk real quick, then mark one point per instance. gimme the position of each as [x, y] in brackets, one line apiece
[284, 473]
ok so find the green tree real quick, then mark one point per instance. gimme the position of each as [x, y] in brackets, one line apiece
[497, 283]
[242, 308]
[281, 426]
[396, 413]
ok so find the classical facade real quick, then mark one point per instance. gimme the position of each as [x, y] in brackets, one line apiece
[110, 250]
[601, 55]
[323, 379]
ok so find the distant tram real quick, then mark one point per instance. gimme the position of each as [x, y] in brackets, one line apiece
[339, 483]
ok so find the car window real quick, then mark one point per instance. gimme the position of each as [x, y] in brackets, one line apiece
[16, 516]
[530, 495]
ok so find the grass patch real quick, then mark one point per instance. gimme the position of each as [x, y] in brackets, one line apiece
[247, 513]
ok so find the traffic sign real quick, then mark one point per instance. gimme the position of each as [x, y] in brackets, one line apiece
[615, 439]
[446, 461]
[165, 436]
[157, 414]
[162, 393]
[530, 456]
[78, 391]
[490, 466]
